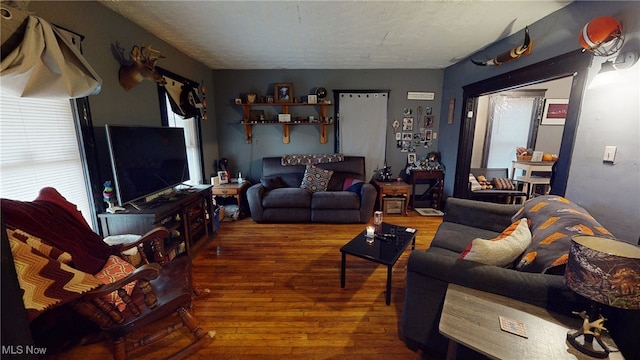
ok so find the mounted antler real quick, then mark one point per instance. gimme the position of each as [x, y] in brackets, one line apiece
[141, 66]
[513, 54]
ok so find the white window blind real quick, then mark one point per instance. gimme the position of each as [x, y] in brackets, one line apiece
[191, 140]
[39, 148]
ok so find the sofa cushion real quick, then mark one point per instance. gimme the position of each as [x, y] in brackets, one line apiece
[274, 182]
[335, 200]
[553, 221]
[503, 249]
[316, 179]
[287, 198]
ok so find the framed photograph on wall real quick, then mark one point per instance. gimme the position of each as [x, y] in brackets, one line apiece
[428, 135]
[555, 111]
[411, 158]
[283, 92]
[428, 121]
[223, 177]
[407, 123]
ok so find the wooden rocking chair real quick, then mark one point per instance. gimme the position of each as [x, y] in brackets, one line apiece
[162, 289]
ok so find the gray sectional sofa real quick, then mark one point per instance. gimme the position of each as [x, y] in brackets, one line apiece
[429, 272]
[279, 197]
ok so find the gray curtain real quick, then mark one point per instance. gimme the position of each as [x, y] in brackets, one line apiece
[363, 126]
[42, 61]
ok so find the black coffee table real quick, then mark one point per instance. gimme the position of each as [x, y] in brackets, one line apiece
[385, 250]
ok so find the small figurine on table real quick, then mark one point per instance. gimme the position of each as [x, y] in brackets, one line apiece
[107, 195]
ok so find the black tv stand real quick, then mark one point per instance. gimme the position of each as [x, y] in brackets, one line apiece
[189, 218]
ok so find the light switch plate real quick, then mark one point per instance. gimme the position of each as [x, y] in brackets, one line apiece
[609, 154]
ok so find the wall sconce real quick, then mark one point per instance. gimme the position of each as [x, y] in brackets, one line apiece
[607, 74]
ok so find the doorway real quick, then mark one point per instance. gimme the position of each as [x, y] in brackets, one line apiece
[574, 65]
[510, 122]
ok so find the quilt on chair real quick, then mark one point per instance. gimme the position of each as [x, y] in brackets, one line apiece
[54, 249]
[44, 274]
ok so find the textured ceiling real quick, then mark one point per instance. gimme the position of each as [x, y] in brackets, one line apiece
[332, 34]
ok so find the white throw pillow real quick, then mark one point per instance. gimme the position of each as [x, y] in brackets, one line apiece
[475, 185]
[501, 252]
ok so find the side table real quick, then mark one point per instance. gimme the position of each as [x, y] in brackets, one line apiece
[392, 188]
[236, 190]
[471, 317]
[435, 178]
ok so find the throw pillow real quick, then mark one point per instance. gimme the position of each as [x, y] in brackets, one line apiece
[271, 183]
[113, 270]
[475, 185]
[503, 184]
[554, 221]
[353, 185]
[503, 249]
[316, 179]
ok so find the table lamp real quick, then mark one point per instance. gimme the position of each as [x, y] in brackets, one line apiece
[605, 271]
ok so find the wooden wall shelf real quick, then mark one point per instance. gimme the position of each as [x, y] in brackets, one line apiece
[286, 138]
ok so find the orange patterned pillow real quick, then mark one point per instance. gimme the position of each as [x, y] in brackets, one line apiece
[113, 270]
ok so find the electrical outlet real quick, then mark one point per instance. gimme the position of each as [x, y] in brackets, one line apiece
[609, 154]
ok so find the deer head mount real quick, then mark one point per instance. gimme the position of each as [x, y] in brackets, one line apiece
[140, 66]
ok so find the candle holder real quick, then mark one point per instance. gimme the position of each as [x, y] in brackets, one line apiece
[370, 235]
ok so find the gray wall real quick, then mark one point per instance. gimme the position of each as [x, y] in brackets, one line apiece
[609, 116]
[267, 139]
[113, 105]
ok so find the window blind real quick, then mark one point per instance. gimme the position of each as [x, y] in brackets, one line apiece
[39, 148]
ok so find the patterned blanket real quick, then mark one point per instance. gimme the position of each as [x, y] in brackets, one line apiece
[305, 159]
[44, 274]
[54, 250]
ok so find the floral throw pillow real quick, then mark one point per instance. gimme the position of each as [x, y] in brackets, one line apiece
[316, 179]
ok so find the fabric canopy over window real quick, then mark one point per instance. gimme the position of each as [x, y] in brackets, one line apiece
[44, 64]
[183, 97]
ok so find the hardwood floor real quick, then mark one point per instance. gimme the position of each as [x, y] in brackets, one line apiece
[275, 293]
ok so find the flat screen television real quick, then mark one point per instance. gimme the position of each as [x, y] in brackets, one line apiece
[146, 160]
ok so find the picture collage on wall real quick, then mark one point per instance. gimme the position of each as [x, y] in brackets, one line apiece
[414, 130]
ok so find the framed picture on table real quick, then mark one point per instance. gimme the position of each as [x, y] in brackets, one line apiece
[555, 111]
[223, 177]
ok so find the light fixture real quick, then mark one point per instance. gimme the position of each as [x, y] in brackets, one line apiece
[607, 74]
[605, 271]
